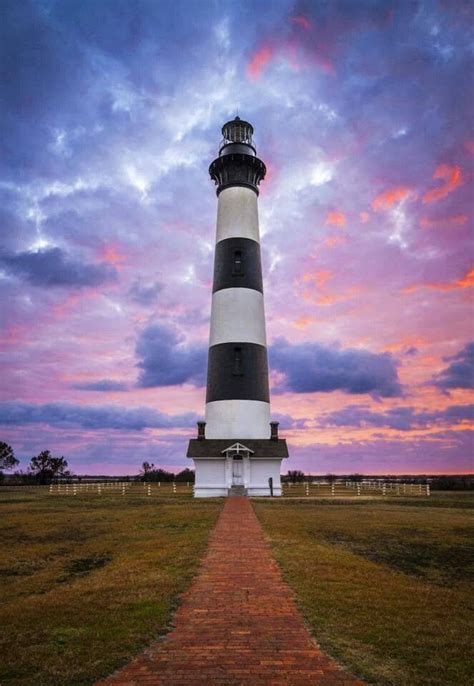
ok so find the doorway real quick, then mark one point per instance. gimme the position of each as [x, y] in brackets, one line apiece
[237, 471]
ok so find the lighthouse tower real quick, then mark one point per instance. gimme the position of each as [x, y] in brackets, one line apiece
[237, 449]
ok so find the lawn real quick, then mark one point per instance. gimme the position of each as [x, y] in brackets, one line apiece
[386, 584]
[88, 580]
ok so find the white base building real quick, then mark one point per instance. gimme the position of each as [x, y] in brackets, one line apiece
[224, 467]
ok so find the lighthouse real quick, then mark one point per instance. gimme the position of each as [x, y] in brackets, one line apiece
[237, 449]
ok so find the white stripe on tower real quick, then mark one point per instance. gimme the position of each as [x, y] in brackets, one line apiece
[237, 389]
[237, 214]
[237, 315]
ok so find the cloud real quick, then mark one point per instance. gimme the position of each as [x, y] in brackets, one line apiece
[312, 367]
[53, 268]
[460, 373]
[259, 61]
[385, 200]
[336, 218]
[64, 415]
[466, 281]
[103, 385]
[452, 177]
[302, 21]
[145, 294]
[443, 222]
[165, 360]
[399, 418]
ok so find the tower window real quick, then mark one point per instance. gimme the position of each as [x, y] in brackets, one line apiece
[237, 369]
[237, 266]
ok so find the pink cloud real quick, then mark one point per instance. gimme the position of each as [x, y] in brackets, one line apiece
[333, 241]
[336, 218]
[466, 281]
[301, 20]
[444, 222]
[113, 254]
[452, 178]
[385, 200]
[259, 61]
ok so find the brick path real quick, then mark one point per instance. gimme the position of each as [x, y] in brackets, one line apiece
[238, 624]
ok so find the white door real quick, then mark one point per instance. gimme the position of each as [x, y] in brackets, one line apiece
[237, 472]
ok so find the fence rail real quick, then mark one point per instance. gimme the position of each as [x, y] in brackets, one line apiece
[354, 488]
[345, 489]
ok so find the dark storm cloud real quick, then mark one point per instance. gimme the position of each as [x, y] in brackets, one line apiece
[312, 367]
[63, 415]
[103, 385]
[166, 361]
[53, 267]
[460, 373]
[399, 418]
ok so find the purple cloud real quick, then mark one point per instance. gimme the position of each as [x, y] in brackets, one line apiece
[145, 294]
[399, 418]
[103, 385]
[312, 367]
[165, 360]
[64, 415]
[54, 268]
[460, 373]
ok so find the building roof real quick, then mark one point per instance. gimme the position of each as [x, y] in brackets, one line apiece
[209, 447]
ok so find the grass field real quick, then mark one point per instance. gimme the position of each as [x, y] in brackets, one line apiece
[385, 584]
[88, 580]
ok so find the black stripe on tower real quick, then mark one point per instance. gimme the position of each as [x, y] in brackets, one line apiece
[237, 371]
[237, 264]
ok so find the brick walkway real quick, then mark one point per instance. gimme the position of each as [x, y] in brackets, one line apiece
[237, 624]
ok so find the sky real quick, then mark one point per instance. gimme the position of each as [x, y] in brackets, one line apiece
[111, 115]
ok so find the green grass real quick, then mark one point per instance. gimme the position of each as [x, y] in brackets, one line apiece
[88, 580]
[386, 584]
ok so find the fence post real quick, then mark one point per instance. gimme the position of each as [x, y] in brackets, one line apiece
[149, 490]
[358, 489]
[174, 487]
[332, 489]
[307, 488]
[427, 489]
[384, 489]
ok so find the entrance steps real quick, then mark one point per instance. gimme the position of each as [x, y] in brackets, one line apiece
[237, 490]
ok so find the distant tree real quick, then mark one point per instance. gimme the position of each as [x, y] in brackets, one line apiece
[46, 467]
[160, 475]
[7, 457]
[295, 475]
[356, 477]
[147, 467]
[185, 475]
[330, 478]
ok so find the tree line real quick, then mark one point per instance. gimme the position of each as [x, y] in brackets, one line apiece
[43, 468]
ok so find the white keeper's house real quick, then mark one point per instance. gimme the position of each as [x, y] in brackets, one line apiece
[237, 449]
